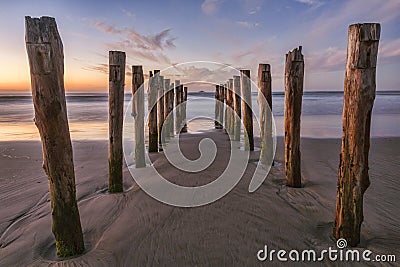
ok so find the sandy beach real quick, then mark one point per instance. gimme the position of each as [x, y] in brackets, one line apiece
[133, 229]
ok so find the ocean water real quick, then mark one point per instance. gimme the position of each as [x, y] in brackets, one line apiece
[88, 113]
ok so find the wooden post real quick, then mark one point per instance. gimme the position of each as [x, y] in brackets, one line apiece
[138, 114]
[264, 99]
[359, 95]
[245, 86]
[167, 121]
[115, 120]
[294, 73]
[46, 60]
[171, 108]
[226, 114]
[160, 110]
[184, 99]
[221, 104]
[177, 107]
[237, 107]
[217, 108]
[231, 107]
[152, 117]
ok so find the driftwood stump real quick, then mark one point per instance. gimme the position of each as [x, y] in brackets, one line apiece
[115, 120]
[265, 105]
[237, 101]
[359, 95]
[294, 76]
[247, 112]
[138, 114]
[152, 117]
[46, 60]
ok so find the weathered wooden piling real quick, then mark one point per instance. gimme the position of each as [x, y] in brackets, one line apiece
[167, 108]
[237, 101]
[265, 106]
[171, 108]
[226, 113]
[152, 117]
[115, 119]
[221, 104]
[178, 115]
[217, 123]
[359, 95]
[247, 113]
[230, 110]
[160, 110]
[46, 60]
[294, 75]
[138, 114]
[184, 100]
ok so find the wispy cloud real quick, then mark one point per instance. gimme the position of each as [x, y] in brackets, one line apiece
[355, 11]
[311, 3]
[247, 24]
[128, 13]
[334, 58]
[210, 7]
[251, 7]
[161, 40]
[151, 47]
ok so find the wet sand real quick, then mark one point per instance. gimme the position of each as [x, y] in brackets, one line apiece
[133, 229]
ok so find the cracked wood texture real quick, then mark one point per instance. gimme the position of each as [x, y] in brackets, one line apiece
[46, 60]
[359, 96]
[294, 76]
[115, 119]
[138, 114]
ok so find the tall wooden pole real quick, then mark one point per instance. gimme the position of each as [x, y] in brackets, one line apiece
[359, 95]
[221, 104]
[171, 108]
[138, 114]
[160, 110]
[237, 106]
[152, 117]
[115, 120]
[294, 73]
[217, 123]
[184, 100]
[245, 86]
[46, 60]
[167, 108]
[265, 105]
[177, 107]
[229, 107]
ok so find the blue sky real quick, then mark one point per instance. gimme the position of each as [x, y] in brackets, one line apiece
[240, 33]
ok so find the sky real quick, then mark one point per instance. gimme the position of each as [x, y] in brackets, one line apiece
[236, 33]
